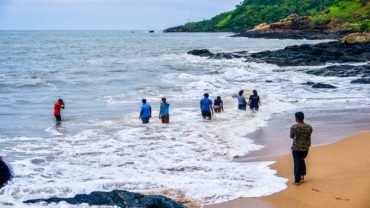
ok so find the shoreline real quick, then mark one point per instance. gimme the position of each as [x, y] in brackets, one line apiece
[328, 182]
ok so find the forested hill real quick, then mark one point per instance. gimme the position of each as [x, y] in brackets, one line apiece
[347, 14]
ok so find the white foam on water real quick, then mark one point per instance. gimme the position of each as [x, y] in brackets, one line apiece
[194, 156]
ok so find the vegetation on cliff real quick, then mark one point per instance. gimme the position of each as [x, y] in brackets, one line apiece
[328, 14]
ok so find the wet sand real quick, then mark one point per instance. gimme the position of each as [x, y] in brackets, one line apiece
[338, 164]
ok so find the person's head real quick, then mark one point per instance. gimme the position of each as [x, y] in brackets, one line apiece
[255, 92]
[164, 99]
[143, 101]
[299, 116]
[241, 92]
[218, 97]
[60, 101]
[206, 95]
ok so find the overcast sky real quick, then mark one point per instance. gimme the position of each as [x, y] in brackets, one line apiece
[107, 14]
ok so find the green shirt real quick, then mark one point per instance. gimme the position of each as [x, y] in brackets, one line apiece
[301, 135]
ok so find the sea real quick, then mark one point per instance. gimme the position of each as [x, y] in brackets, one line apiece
[102, 144]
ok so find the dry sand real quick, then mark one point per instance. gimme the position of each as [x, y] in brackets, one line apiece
[338, 175]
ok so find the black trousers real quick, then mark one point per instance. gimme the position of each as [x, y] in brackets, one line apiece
[299, 164]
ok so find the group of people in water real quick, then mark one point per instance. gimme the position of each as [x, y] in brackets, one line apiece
[207, 107]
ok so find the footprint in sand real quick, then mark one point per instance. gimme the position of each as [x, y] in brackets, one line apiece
[317, 190]
[338, 198]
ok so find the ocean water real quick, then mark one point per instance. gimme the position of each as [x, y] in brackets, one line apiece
[102, 145]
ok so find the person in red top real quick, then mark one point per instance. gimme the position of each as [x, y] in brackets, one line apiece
[57, 108]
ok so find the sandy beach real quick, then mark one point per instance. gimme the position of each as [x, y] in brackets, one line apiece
[338, 176]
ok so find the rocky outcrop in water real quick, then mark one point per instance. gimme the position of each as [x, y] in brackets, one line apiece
[320, 85]
[117, 198]
[5, 173]
[313, 55]
[301, 55]
[342, 71]
[201, 52]
[365, 80]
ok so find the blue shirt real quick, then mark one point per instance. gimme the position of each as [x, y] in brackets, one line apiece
[146, 111]
[241, 100]
[165, 109]
[205, 104]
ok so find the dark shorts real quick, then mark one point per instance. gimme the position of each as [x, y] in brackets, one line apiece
[255, 108]
[206, 114]
[145, 120]
[242, 106]
[165, 119]
[58, 118]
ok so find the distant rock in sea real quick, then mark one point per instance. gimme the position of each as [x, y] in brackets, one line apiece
[117, 198]
[201, 52]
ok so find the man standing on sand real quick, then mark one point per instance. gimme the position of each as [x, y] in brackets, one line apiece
[164, 113]
[145, 112]
[58, 106]
[206, 107]
[301, 135]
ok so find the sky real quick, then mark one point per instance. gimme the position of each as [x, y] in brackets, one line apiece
[107, 14]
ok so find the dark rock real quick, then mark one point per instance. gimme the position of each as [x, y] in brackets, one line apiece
[291, 35]
[116, 198]
[320, 85]
[177, 29]
[5, 173]
[309, 83]
[318, 54]
[361, 81]
[342, 71]
[201, 52]
[268, 81]
[207, 53]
